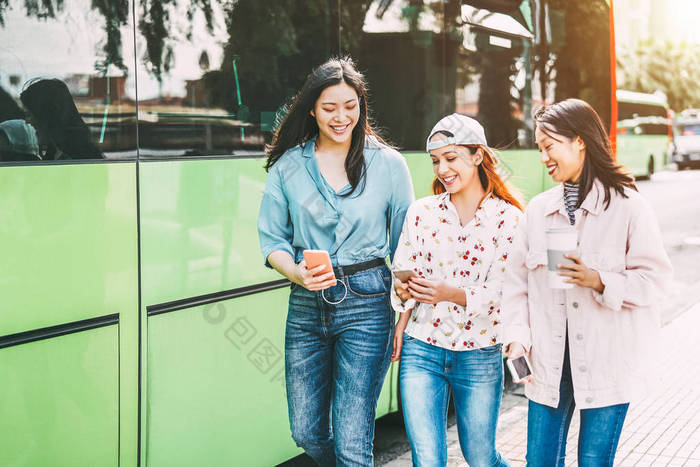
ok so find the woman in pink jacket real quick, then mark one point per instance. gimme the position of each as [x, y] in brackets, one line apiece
[587, 344]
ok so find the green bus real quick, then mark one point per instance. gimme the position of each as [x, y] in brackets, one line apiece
[643, 132]
[139, 326]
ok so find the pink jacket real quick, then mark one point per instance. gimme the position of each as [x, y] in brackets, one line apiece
[609, 334]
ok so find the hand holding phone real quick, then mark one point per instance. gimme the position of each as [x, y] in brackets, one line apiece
[404, 275]
[321, 260]
[520, 368]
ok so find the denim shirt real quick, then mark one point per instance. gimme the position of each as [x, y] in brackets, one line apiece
[300, 210]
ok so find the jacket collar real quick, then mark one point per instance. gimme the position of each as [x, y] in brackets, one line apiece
[593, 203]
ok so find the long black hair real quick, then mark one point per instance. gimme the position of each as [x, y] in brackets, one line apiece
[299, 126]
[572, 118]
[58, 121]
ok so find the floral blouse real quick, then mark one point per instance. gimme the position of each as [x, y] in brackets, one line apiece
[436, 246]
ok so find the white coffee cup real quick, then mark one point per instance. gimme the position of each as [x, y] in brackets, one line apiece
[560, 241]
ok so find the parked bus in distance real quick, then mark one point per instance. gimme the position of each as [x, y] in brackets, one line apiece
[643, 131]
[685, 150]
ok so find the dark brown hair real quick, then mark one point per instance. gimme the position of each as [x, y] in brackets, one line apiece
[571, 118]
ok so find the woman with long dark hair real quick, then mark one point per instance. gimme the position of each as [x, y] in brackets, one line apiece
[334, 185]
[62, 132]
[456, 243]
[588, 327]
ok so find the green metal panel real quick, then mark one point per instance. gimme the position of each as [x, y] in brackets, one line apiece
[524, 170]
[70, 243]
[633, 151]
[199, 227]
[216, 391]
[59, 401]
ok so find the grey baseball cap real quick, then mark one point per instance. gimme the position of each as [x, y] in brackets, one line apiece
[466, 131]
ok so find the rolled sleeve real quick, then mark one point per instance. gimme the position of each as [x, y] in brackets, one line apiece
[275, 229]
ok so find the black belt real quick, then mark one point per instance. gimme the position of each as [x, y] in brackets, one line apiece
[351, 269]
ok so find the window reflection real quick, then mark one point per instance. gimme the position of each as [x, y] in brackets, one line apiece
[64, 73]
[492, 60]
[214, 75]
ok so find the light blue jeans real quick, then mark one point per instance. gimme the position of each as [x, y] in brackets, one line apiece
[547, 428]
[336, 358]
[475, 377]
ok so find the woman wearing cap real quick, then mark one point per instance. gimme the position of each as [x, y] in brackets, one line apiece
[448, 336]
[588, 344]
[334, 185]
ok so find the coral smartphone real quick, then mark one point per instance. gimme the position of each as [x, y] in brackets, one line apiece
[315, 258]
[404, 274]
[519, 368]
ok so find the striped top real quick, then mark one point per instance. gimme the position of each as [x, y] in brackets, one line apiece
[570, 199]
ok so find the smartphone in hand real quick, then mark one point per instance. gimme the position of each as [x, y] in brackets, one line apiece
[520, 368]
[403, 275]
[315, 258]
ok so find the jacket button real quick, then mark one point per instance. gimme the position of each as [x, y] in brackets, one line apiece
[589, 399]
[582, 368]
[579, 337]
[575, 304]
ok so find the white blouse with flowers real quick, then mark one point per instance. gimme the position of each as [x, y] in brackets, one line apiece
[436, 246]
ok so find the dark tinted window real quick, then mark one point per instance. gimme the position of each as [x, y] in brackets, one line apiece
[67, 90]
[494, 60]
[214, 75]
[626, 110]
[641, 119]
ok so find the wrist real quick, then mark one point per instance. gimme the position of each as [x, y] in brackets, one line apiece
[403, 320]
[458, 296]
[599, 286]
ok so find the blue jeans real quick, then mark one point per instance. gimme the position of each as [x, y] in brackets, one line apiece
[547, 429]
[428, 373]
[336, 358]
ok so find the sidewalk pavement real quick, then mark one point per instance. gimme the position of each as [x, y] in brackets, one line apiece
[661, 430]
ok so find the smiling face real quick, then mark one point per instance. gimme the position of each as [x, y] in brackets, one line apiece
[562, 156]
[336, 111]
[455, 166]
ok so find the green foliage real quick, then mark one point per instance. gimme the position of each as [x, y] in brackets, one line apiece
[670, 67]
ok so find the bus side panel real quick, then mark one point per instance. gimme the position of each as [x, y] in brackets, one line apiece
[523, 169]
[216, 387]
[68, 243]
[199, 227]
[70, 252]
[59, 401]
[633, 151]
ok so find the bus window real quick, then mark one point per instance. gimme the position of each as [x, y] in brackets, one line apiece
[64, 74]
[492, 60]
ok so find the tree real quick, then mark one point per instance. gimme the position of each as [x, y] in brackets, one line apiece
[670, 67]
